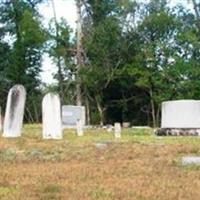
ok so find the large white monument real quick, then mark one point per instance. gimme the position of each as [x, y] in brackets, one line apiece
[181, 114]
[51, 117]
[180, 117]
[72, 114]
[14, 111]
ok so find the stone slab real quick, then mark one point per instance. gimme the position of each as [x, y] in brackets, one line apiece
[191, 160]
[181, 114]
[71, 114]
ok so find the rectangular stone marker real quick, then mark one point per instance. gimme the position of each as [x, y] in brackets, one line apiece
[71, 114]
[109, 128]
[118, 130]
[191, 160]
[126, 124]
[14, 111]
[181, 114]
[79, 128]
[51, 117]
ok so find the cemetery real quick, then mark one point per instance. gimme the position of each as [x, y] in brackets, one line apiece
[54, 161]
[99, 100]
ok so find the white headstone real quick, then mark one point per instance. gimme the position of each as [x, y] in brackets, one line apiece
[51, 117]
[14, 111]
[79, 127]
[70, 115]
[181, 114]
[118, 130]
[109, 128]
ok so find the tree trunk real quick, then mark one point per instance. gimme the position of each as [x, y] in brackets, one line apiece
[197, 13]
[60, 75]
[196, 9]
[153, 112]
[158, 116]
[37, 119]
[101, 111]
[79, 53]
[87, 110]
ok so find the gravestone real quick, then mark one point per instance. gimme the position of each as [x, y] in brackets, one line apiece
[71, 114]
[180, 117]
[117, 130]
[14, 111]
[51, 117]
[181, 114]
[79, 128]
[109, 128]
[126, 124]
[191, 160]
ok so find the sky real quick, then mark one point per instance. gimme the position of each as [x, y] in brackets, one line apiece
[67, 10]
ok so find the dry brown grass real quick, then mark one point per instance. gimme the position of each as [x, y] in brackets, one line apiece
[139, 166]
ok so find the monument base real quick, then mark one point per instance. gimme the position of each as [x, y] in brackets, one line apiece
[177, 132]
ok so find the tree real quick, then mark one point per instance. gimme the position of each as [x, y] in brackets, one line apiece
[102, 48]
[79, 53]
[60, 49]
[20, 20]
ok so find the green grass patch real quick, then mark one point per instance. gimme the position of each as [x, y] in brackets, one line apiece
[7, 193]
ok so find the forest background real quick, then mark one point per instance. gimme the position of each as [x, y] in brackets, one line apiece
[125, 58]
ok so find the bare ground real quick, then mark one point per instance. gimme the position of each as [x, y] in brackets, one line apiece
[139, 166]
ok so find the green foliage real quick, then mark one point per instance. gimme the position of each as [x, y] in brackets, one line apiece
[21, 22]
[136, 56]
[60, 49]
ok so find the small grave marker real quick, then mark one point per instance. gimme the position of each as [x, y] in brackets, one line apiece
[191, 160]
[79, 127]
[118, 130]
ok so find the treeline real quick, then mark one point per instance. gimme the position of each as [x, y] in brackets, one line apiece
[124, 60]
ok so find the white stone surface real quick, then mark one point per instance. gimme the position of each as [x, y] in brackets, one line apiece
[51, 117]
[141, 127]
[181, 114]
[79, 128]
[71, 114]
[126, 124]
[101, 145]
[109, 128]
[117, 130]
[14, 111]
[191, 160]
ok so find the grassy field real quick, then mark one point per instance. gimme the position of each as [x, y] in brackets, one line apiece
[98, 167]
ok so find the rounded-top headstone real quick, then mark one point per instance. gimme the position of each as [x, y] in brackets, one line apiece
[51, 117]
[181, 114]
[14, 111]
